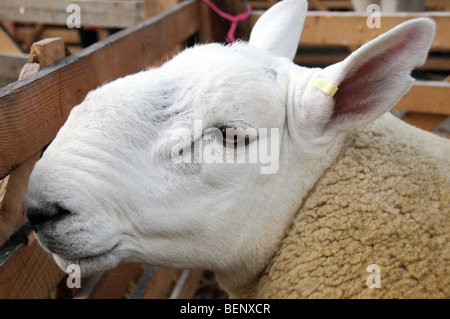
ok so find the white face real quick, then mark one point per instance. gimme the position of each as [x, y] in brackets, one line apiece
[117, 185]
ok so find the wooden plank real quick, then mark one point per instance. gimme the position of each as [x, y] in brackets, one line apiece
[33, 36]
[113, 14]
[436, 64]
[325, 59]
[427, 97]
[38, 273]
[47, 52]
[317, 4]
[350, 28]
[88, 285]
[153, 7]
[191, 284]
[32, 110]
[214, 28]
[143, 282]
[7, 44]
[427, 122]
[206, 32]
[437, 5]
[321, 59]
[160, 284]
[337, 4]
[11, 64]
[262, 4]
[30, 273]
[68, 35]
[12, 210]
[115, 282]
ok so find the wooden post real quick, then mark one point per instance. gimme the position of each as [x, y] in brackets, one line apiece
[30, 272]
[7, 43]
[153, 7]
[13, 188]
[160, 284]
[318, 5]
[115, 282]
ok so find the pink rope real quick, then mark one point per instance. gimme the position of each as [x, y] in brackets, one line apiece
[234, 19]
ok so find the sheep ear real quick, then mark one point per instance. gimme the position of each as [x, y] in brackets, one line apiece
[369, 82]
[278, 30]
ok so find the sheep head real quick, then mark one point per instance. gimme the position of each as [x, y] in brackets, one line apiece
[203, 162]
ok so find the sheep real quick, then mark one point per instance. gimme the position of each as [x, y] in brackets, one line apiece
[171, 167]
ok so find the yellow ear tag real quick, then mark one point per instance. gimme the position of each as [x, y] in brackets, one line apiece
[325, 86]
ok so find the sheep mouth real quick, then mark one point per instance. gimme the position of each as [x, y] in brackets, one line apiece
[88, 257]
[93, 256]
[90, 264]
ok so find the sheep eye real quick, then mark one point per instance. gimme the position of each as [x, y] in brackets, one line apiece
[231, 137]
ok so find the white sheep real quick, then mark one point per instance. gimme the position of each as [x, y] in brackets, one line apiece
[234, 159]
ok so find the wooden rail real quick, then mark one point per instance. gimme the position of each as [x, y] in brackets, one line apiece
[350, 29]
[116, 14]
[432, 97]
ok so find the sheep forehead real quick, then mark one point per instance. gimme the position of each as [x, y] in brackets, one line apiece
[225, 55]
[217, 65]
[216, 78]
[208, 82]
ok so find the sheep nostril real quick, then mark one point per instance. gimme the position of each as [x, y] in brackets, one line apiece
[40, 214]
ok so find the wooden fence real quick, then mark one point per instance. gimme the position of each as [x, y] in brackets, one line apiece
[34, 108]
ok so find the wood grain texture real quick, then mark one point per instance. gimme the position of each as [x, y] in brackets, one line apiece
[7, 44]
[161, 282]
[350, 28]
[114, 283]
[30, 273]
[12, 210]
[153, 7]
[427, 97]
[47, 52]
[424, 121]
[97, 13]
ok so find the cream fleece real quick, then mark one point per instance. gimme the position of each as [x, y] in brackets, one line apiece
[384, 201]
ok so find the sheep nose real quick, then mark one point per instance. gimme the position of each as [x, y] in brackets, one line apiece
[41, 214]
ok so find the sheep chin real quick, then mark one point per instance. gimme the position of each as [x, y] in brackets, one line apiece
[91, 264]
